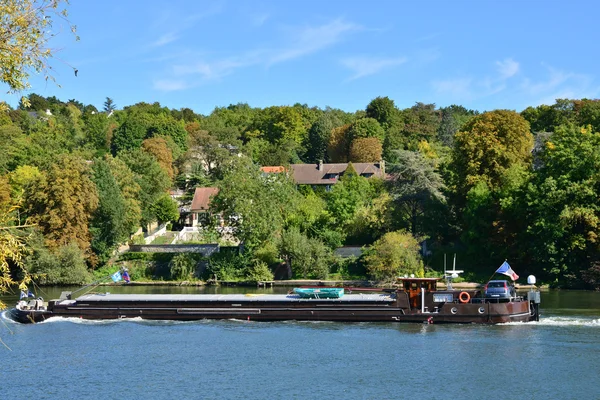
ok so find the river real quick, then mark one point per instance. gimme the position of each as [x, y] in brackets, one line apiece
[555, 358]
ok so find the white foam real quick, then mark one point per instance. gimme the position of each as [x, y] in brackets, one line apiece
[561, 321]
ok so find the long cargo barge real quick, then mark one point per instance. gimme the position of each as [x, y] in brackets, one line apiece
[417, 300]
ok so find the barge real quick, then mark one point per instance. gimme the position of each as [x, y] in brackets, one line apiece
[416, 300]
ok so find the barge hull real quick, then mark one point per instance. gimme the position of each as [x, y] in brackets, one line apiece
[351, 308]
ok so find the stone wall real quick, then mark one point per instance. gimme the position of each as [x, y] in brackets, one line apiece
[204, 249]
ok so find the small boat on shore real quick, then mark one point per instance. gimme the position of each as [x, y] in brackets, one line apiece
[416, 300]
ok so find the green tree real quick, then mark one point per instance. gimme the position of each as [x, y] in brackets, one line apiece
[62, 266]
[96, 128]
[488, 146]
[63, 202]
[182, 266]
[255, 206]
[347, 196]
[307, 257]
[563, 204]
[366, 128]
[108, 225]
[414, 184]
[396, 253]
[150, 177]
[109, 105]
[165, 209]
[384, 111]
[130, 134]
[318, 137]
[130, 190]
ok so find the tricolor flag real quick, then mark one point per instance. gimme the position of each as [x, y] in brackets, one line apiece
[116, 277]
[23, 295]
[507, 270]
[126, 276]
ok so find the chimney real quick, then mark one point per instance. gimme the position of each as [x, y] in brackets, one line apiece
[320, 165]
[382, 167]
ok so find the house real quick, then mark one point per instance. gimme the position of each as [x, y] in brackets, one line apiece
[328, 174]
[201, 205]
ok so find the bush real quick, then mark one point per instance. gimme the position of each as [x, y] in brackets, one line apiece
[227, 266]
[258, 271]
[65, 266]
[182, 266]
[395, 253]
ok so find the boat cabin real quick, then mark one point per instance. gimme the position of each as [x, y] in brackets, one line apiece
[414, 286]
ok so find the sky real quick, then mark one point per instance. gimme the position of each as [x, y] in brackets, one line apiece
[199, 54]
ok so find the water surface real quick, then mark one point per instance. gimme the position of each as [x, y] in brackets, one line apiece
[556, 358]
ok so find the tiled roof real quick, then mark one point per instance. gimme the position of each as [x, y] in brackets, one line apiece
[273, 170]
[202, 196]
[310, 174]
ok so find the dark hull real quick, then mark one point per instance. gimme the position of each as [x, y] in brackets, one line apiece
[347, 310]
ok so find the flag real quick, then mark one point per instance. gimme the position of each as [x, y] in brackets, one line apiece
[29, 294]
[126, 276]
[116, 277]
[23, 295]
[507, 270]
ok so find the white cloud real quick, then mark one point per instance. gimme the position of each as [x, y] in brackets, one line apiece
[507, 68]
[560, 85]
[167, 85]
[364, 66]
[259, 19]
[166, 39]
[459, 88]
[311, 39]
[301, 42]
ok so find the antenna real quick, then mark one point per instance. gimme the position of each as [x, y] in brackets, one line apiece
[452, 274]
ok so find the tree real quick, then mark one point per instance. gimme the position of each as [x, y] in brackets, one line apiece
[365, 150]
[307, 257]
[12, 252]
[488, 146]
[318, 137]
[63, 202]
[339, 144]
[563, 205]
[130, 190]
[108, 225]
[366, 128]
[157, 146]
[396, 253]
[130, 134]
[96, 131]
[165, 209]
[347, 196]
[109, 105]
[384, 111]
[150, 177]
[413, 184]
[25, 30]
[255, 206]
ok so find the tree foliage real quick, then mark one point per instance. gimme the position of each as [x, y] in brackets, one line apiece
[365, 150]
[63, 202]
[395, 254]
[26, 27]
[488, 146]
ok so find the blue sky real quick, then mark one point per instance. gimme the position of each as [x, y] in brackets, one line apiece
[203, 54]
